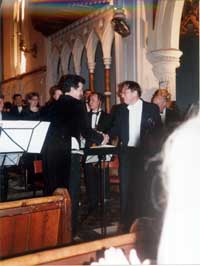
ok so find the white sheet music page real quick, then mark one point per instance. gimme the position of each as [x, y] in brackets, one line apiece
[20, 136]
[95, 158]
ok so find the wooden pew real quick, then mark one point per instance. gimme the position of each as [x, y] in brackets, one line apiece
[74, 255]
[35, 224]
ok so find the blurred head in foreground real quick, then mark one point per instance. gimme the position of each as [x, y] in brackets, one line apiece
[180, 236]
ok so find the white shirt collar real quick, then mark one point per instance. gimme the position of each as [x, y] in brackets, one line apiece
[98, 111]
[135, 105]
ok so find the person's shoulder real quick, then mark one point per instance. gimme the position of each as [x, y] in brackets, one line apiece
[105, 114]
[6, 116]
[150, 106]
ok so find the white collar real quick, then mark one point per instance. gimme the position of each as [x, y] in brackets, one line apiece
[135, 105]
[98, 111]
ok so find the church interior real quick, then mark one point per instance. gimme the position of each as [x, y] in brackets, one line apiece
[109, 46]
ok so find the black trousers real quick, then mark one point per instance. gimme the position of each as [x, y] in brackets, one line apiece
[74, 189]
[93, 183]
[56, 163]
[132, 185]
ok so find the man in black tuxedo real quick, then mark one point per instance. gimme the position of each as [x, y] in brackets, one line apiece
[16, 110]
[169, 117]
[135, 125]
[68, 119]
[100, 121]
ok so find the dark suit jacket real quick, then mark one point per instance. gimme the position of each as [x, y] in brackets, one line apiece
[172, 117]
[6, 116]
[150, 123]
[103, 123]
[69, 119]
[15, 113]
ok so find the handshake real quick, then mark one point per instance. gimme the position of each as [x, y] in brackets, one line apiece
[105, 139]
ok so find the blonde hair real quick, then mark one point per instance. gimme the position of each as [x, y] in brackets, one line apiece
[180, 236]
[162, 93]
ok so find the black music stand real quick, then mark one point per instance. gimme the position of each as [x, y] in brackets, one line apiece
[101, 152]
[16, 138]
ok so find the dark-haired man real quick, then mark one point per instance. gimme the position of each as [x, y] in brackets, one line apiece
[16, 110]
[136, 124]
[68, 119]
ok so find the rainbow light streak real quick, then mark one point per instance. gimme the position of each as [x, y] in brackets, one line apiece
[48, 7]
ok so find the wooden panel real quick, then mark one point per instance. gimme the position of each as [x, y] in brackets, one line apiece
[13, 234]
[30, 202]
[35, 224]
[44, 229]
[6, 235]
[20, 233]
[87, 258]
[76, 254]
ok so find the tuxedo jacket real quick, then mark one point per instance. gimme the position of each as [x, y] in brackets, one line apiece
[69, 119]
[103, 124]
[15, 113]
[172, 117]
[150, 123]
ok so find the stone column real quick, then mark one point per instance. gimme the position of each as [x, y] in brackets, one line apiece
[77, 69]
[91, 67]
[107, 89]
[164, 64]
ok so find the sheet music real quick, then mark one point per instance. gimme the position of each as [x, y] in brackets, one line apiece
[17, 135]
[103, 146]
[95, 158]
[10, 159]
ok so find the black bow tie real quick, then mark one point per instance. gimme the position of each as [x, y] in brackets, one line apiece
[96, 113]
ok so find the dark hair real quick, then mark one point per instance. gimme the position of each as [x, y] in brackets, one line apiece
[66, 82]
[30, 95]
[133, 86]
[7, 105]
[1, 96]
[53, 89]
[16, 95]
[99, 96]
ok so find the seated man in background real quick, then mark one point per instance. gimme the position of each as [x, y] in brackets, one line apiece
[17, 107]
[99, 121]
[169, 116]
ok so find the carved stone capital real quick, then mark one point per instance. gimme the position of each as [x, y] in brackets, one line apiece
[91, 66]
[107, 62]
[164, 64]
[165, 60]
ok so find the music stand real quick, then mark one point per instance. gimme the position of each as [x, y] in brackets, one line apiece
[16, 138]
[102, 151]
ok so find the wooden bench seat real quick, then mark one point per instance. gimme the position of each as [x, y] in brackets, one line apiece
[74, 255]
[35, 224]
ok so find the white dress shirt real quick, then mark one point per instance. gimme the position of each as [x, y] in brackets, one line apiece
[95, 118]
[19, 109]
[135, 117]
[1, 116]
[163, 116]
